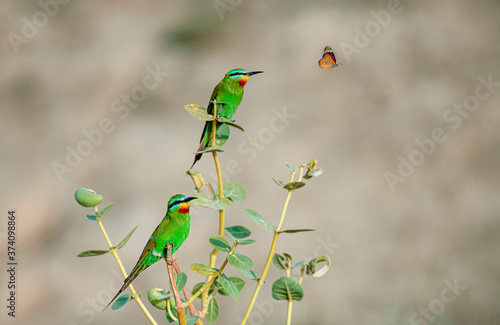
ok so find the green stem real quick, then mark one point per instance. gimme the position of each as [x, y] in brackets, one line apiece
[271, 251]
[113, 252]
[207, 285]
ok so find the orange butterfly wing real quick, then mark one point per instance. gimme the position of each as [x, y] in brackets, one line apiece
[328, 60]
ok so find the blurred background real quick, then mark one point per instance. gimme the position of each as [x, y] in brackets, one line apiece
[411, 222]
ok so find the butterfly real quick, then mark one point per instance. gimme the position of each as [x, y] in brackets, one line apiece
[328, 60]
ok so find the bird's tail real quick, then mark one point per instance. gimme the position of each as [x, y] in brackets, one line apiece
[203, 142]
[127, 282]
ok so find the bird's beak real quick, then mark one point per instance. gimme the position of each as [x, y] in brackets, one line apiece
[253, 72]
[189, 198]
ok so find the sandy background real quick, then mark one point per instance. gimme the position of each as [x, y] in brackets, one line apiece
[395, 248]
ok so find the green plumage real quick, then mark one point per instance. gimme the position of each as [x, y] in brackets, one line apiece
[228, 94]
[173, 229]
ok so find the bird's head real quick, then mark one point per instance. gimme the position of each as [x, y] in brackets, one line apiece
[240, 75]
[180, 203]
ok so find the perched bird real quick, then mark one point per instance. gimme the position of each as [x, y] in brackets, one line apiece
[173, 229]
[228, 95]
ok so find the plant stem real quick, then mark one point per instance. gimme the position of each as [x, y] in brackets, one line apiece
[212, 279]
[222, 213]
[113, 252]
[187, 296]
[271, 251]
[289, 312]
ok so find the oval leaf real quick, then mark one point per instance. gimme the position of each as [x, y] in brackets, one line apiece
[294, 185]
[279, 261]
[280, 183]
[292, 231]
[240, 261]
[229, 286]
[249, 274]
[198, 112]
[180, 280]
[94, 252]
[121, 301]
[229, 122]
[238, 232]
[246, 241]
[125, 240]
[212, 311]
[212, 202]
[104, 211]
[238, 282]
[287, 288]
[220, 244]
[287, 164]
[261, 222]
[210, 149]
[233, 191]
[202, 269]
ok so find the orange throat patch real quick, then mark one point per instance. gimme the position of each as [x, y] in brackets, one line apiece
[243, 80]
[184, 208]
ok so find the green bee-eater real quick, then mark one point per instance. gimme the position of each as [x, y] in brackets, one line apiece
[228, 94]
[173, 229]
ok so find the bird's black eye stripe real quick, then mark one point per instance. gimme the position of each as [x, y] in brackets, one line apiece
[178, 201]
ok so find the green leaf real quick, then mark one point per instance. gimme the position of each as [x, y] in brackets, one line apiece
[212, 202]
[91, 217]
[199, 285]
[279, 261]
[121, 301]
[261, 222]
[159, 298]
[280, 183]
[213, 311]
[238, 282]
[292, 231]
[294, 185]
[210, 149]
[240, 261]
[288, 256]
[229, 122]
[220, 244]
[229, 286]
[125, 240]
[246, 241]
[249, 274]
[221, 135]
[233, 191]
[311, 267]
[190, 320]
[287, 288]
[298, 264]
[104, 211]
[93, 252]
[199, 112]
[180, 280]
[238, 232]
[289, 167]
[202, 269]
[87, 197]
